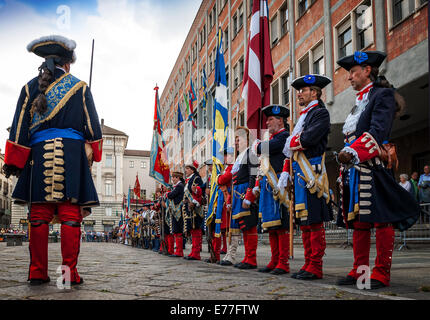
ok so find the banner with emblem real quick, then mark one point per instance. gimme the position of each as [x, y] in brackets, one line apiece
[220, 120]
[158, 168]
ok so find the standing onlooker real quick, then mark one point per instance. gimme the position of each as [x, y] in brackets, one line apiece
[414, 184]
[405, 183]
[424, 185]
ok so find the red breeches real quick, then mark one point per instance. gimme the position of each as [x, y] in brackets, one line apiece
[70, 218]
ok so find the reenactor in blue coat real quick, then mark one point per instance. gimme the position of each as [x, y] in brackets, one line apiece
[244, 206]
[273, 205]
[370, 197]
[193, 210]
[306, 149]
[54, 137]
[175, 206]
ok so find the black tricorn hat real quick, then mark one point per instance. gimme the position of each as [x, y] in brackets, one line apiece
[310, 80]
[54, 46]
[177, 174]
[276, 110]
[372, 58]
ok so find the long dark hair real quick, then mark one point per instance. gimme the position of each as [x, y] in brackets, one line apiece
[45, 78]
[381, 81]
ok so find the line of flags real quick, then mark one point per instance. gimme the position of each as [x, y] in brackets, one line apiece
[258, 75]
[220, 120]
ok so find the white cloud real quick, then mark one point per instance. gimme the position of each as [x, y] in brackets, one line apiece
[136, 46]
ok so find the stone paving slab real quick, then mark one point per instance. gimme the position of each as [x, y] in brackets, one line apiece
[117, 272]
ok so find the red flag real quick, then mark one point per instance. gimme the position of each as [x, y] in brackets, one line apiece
[136, 189]
[158, 168]
[259, 69]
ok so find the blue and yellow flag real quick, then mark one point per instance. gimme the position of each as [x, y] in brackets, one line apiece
[220, 120]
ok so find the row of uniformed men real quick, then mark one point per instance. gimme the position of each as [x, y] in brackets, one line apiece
[256, 185]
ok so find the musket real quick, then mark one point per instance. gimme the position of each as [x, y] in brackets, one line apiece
[91, 66]
[162, 236]
[292, 200]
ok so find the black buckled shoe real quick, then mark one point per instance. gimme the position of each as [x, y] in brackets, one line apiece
[347, 281]
[223, 252]
[247, 266]
[226, 263]
[307, 276]
[38, 282]
[265, 270]
[75, 283]
[237, 265]
[376, 284]
[190, 258]
[175, 256]
[296, 274]
[278, 271]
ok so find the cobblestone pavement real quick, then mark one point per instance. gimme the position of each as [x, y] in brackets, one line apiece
[119, 272]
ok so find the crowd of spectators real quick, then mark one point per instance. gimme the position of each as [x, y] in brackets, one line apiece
[418, 185]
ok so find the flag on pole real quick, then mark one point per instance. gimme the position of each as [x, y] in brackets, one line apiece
[136, 189]
[189, 109]
[158, 167]
[192, 94]
[220, 120]
[259, 69]
[180, 119]
[128, 202]
[205, 89]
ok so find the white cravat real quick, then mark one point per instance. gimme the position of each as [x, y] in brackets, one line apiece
[238, 161]
[352, 119]
[297, 129]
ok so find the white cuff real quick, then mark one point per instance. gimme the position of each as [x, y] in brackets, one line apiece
[196, 202]
[355, 158]
[247, 202]
[283, 180]
[256, 191]
[254, 147]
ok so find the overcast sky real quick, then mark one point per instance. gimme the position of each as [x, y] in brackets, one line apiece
[136, 46]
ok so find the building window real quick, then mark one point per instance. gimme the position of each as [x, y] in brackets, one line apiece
[210, 20]
[318, 59]
[210, 62]
[235, 26]
[240, 22]
[402, 9]
[241, 69]
[285, 88]
[214, 58]
[274, 30]
[108, 188]
[364, 25]
[275, 93]
[107, 141]
[108, 212]
[242, 118]
[131, 164]
[143, 164]
[235, 76]
[250, 7]
[143, 194]
[304, 65]
[304, 5]
[345, 40]
[213, 16]
[109, 161]
[225, 39]
[284, 19]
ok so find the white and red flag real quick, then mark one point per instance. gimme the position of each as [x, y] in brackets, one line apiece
[259, 69]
